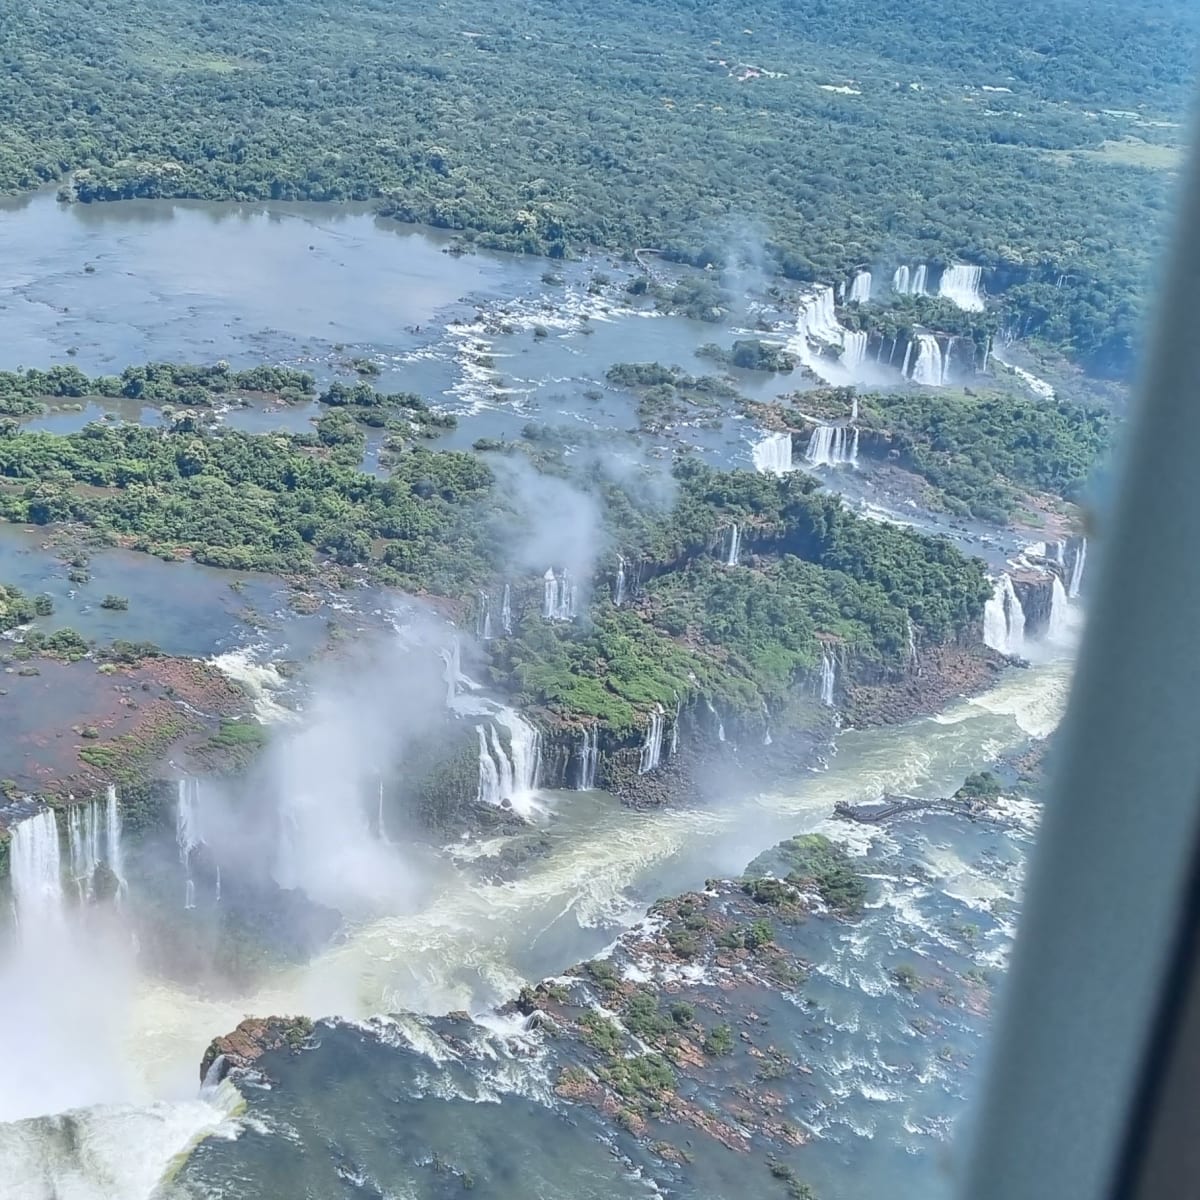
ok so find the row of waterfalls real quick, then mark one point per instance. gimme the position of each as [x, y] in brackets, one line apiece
[44, 881]
[1049, 586]
[959, 283]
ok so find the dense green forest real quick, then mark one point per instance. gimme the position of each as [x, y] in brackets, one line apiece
[444, 523]
[1036, 141]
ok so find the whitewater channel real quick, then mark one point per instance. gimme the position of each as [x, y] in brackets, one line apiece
[473, 944]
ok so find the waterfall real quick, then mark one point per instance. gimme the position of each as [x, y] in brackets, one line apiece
[1004, 619]
[652, 746]
[558, 596]
[854, 401]
[987, 353]
[187, 832]
[928, 368]
[961, 285]
[1077, 565]
[918, 282]
[509, 772]
[735, 545]
[589, 758]
[380, 827]
[619, 588]
[773, 454]
[906, 282]
[452, 657]
[900, 281]
[716, 717]
[675, 727]
[907, 358]
[860, 288]
[93, 839]
[1056, 627]
[112, 832]
[914, 661]
[828, 676]
[832, 446]
[816, 321]
[83, 840]
[483, 623]
[946, 360]
[854, 348]
[35, 868]
[506, 611]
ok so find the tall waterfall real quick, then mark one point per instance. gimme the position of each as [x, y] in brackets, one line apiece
[589, 757]
[1077, 565]
[1060, 612]
[674, 748]
[828, 677]
[83, 840]
[833, 446]
[773, 454]
[619, 586]
[907, 358]
[717, 718]
[35, 868]
[860, 288]
[735, 545]
[112, 832]
[483, 623]
[929, 368]
[558, 596]
[1004, 619]
[652, 746]
[187, 832]
[452, 658]
[854, 402]
[854, 348]
[509, 772]
[506, 611]
[94, 839]
[962, 286]
[914, 660]
[906, 282]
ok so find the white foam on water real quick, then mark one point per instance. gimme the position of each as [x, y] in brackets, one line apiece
[261, 681]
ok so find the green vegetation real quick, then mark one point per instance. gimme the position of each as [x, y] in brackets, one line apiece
[982, 785]
[979, 449]
[906, 977]
[15, 607]
[666, 395]
[751, 355]
[116, 603]
[719, 1041]
[698, 123]
[805, 862]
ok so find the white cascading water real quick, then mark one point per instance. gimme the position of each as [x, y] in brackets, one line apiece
[900, 281]
[716, 717]
[907, 358]
[619, 586]
[854, 348]
[1004, 619]
[962, 285]
[509, 772]
[589, 758]
[828, 677]
[93, 839]
[929, 368]
[83, 840]
[773, 454]
[918, 281]
[735, 546]
[652, 746]
[914, 661]
[112, 835]
[860, 288]
[483, 623]
[910, 282]
[1077, 567]
[451, 657]
[674, 747]
[35, 869]
[1060, 612]
[380, 828]
[187, 832]
[558, 596]
[854, 404]
[832, 446]
[506, 611]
